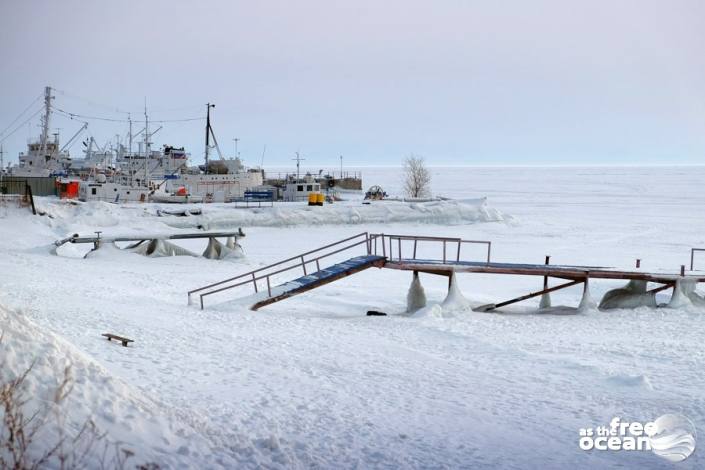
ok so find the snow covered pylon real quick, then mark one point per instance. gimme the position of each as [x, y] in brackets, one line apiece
[158, 248]
[586, 301]
[545, 301]
[633, 295]
[684, 295]
[455, 299]
[416, 297]
[216, 250]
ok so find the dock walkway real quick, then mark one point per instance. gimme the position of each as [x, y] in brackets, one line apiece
[400, 252]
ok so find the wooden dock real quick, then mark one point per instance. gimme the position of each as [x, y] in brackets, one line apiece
[575, 273]
[400, 252]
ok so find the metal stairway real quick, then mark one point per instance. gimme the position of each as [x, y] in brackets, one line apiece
[317, 279]
[311, 278]
[378, 250]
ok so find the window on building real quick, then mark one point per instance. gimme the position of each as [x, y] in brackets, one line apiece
[309, 187]
[93, 191]
[300, 188]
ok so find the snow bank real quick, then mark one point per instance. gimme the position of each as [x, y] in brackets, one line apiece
[436, 212]
[219, 216]
[132, 422]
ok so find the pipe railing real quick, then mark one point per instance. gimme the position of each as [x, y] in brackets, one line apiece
[692, 256]
[301, 262]
[456, 243]
[377, 244]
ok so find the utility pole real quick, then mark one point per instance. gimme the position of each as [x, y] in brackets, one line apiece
[2, 163]
[208, 131]
[341, 167]
[298, 162]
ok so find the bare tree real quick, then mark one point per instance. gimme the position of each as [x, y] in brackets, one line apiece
[417, 178]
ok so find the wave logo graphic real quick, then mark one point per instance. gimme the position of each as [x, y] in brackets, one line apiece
[672, 437]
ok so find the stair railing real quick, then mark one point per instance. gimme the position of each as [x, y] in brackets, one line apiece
[301, 260]
[377, 244]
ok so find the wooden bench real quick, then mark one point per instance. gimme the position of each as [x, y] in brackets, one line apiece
[122, 339]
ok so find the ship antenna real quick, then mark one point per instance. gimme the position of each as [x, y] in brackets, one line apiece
[147, 143]
[298, 162]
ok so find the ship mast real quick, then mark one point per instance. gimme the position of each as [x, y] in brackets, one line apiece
[208, 131]
[298, 162]
[129, 119]
[45, 119]
[147, 148]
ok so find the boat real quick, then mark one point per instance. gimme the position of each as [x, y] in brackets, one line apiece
[44, 157]
[118, 174]
[164, 176]
[180, 196]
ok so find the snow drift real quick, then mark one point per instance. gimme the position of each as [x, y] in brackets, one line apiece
[132, 421]
[218, 216]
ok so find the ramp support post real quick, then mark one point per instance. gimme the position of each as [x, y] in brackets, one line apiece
[416, 297]
[545, 297]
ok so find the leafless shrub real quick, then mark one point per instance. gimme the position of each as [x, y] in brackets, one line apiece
[25, 428]
[417, 177]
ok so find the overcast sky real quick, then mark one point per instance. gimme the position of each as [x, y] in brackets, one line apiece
[459, 82]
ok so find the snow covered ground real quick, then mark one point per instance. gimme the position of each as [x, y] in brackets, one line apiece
[311, 381]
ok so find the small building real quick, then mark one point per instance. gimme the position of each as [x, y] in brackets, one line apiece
[299, 190]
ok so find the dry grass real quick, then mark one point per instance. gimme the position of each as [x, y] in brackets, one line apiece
[33, 433]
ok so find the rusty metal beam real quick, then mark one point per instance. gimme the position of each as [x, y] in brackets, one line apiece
[660, 288]
[567, 272]
[487, 308]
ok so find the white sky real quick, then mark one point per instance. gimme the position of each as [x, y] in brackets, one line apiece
[460, 82]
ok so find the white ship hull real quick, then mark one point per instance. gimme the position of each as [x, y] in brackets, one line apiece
[214, 187]
[112, 192]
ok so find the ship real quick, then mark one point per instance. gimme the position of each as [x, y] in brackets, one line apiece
[120, 175]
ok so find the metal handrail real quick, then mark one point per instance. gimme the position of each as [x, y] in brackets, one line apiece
[302, 264]
[692, 256]
[444, 240]
[275, 264]
[371, 245]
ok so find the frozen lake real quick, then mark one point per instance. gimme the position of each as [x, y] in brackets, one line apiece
[313, 382]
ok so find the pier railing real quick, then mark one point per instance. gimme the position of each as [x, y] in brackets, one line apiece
[692, 256]
[451, 247]
[303, 261]
[379, 244]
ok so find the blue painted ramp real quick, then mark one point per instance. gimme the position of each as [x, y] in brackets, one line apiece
[317, 279]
